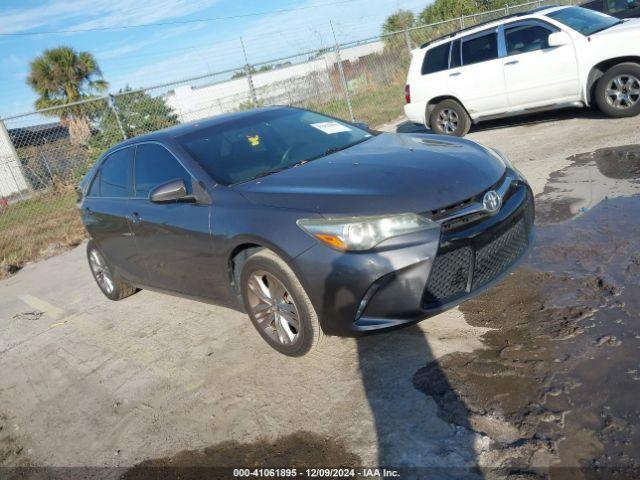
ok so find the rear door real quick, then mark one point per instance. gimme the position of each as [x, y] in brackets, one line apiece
[173, 238]
[536, 74]
[479, 80]
[106, 213]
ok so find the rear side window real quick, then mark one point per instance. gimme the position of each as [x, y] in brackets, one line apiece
[115, 174]
[436, 59]
[526, 38]
[480, 49]
[155, 166]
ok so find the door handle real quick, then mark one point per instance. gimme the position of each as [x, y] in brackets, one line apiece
[454, 74]
[512, 62]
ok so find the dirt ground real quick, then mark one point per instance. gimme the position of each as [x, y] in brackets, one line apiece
[537, 378]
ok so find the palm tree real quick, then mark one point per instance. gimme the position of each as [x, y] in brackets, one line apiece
[62, 75]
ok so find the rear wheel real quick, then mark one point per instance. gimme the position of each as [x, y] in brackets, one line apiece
[278, 306]
[450, 118]
[618, 91]
[108, 281]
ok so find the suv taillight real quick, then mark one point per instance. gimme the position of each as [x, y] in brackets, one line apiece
[407, 93]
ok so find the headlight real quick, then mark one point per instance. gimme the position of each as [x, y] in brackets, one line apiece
[363, 233]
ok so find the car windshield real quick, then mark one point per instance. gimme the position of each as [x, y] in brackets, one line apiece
[587, 22]
[267, 142]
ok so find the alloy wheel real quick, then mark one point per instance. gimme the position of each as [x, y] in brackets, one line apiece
[101, 271]
[623, 91]
[448, 120]
[273, 308]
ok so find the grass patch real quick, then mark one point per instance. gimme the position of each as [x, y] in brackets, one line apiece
[28, 227]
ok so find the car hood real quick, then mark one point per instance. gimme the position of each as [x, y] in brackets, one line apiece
[630, 26]
[389, 173]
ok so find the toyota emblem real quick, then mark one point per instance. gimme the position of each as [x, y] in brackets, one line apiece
[492, 201]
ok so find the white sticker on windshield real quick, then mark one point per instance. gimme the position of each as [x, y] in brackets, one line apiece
[331, 127]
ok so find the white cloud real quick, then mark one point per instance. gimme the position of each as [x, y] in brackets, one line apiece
[83, 14]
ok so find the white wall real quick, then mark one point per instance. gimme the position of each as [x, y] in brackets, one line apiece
[12, 180]
[283, 85]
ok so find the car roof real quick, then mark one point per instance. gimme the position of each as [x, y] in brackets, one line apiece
[535, 13]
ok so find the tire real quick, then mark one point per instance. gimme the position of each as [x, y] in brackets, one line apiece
[276, 324]
[450, 118]
[623, 78]
[107, 280]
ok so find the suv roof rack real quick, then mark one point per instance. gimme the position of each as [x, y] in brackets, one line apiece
[513, 15]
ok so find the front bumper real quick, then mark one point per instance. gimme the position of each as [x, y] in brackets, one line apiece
[410, 278]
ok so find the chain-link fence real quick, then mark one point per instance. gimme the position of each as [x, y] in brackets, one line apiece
[44, 154]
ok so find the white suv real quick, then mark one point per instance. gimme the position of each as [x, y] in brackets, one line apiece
[545, 59]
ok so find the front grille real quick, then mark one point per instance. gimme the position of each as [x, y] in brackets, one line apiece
[464, 269]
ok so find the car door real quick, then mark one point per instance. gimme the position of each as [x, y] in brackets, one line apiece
[478, 81]
[433, 73]
[536, 74]
[173, 239]
[106, 213]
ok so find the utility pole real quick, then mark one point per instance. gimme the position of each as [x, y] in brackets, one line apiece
[343, 78]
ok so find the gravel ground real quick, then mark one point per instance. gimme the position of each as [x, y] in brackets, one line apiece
[520, 380]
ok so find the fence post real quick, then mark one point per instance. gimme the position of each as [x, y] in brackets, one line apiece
[461, 22]
[407, 39]
[506, 10]
[247, 69]
[343, 78]
[112, 105]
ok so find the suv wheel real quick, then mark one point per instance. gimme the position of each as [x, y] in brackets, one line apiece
[108, 281]
[450, 118]
[278, 306]
[618, 91]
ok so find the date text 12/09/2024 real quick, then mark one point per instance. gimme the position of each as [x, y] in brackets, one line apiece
[315, 473]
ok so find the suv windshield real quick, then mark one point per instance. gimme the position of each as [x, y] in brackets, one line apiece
[268, 142]
[587, 22]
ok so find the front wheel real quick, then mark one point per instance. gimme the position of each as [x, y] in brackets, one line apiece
[450, 118]
[278, 306]
[618, 91]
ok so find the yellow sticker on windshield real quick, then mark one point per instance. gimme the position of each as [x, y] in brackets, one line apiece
[254, 141]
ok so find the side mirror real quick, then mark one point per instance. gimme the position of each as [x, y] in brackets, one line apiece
[171, 192]
[361, 125]
[558, 39]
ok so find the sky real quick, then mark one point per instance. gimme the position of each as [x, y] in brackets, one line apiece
[188, 38]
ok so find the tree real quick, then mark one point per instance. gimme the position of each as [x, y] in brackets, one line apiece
[397, 22]
[62, 75]
[441, 10]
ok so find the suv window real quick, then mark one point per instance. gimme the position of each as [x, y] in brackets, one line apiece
[436, 59]
[115, 174]
[526, 38]
[155, 166]
[480, 49]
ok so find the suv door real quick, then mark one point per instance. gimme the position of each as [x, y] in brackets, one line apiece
[106, 211]
[478, 81]
[173, 238]
[536, 74]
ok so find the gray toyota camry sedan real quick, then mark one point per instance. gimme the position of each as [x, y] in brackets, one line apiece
[312, 225]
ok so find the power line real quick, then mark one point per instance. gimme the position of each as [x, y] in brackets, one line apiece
[176, 22]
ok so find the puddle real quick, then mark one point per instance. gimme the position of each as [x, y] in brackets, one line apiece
[559, 381]
[300, 449]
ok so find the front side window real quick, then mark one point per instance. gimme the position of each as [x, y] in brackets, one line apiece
[155, 166]
[615, 6]
[585, 21]
[436, 59]
[526, 38]
[265, 142]
[480, 49]
[115, 174]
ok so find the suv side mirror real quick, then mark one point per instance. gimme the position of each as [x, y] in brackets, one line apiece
[361, 125]
[171, 192]
[558, 39]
